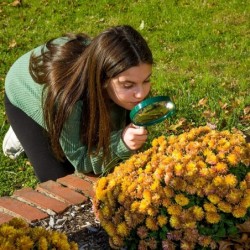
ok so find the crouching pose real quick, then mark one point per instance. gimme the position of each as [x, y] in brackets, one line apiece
[68, 102]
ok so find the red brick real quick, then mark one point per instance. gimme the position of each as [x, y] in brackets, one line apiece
[19, 209]
[5, 217]
[61, 193]
[91, 177]
[40, 200]
[77, 184]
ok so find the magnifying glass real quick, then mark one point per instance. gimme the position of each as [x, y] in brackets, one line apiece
[152, 110]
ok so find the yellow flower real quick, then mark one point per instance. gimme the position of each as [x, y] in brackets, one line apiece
[165, 161]
[106, 211]
[144, 204]
[128, 218]
[213, 198]
[233, 159]
[212, 143]
[111, 198]
[154, 143]
[243, 185]
[135, 206]
[140, 178]
[225, 133]
[43, 243]
[172, 139]
[190, 224]
[225, 207]
[102, 183]
[218, 181]
[162, 220]
[178, 168]
[204, 172]
[200, 182]
[125, 184]
[181, 199]
[109, 228]
[169, 192]
[118, 241]
[24, 242]
[186, 245]
[234, 196]
[197, 163]
[158, 174]
[198, 212]
[207, 152]
[239, 211]
[238, 150]
[122, 229]
[204, 241]
[221, 155]
[209, 207]
[155, 185]
[100, 194]
[191, 135]
[112, 183]
[175, 222]
[121, 197]
[191, 189]
[148, 168]
[192, 147]
[212, 217]
[177, 155]
[246, 199]
[221, 168]
[166, 202]
[147, 195]
[191, 168]
[152, 211]
[174, 209]
[7, 230]
[211, 158]
[231, 180]
[178, 184]
[151, 223]
[132, 187]
[201, 164]
[223, 145]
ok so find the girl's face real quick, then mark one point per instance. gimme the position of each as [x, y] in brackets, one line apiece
[131, 86]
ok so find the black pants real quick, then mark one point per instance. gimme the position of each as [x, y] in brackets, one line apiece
[36, 145]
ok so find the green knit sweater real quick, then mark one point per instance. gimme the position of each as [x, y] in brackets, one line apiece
[24, 93]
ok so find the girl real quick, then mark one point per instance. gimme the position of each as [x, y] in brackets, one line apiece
[68, 101]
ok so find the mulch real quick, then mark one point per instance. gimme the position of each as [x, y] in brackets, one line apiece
[80, 225]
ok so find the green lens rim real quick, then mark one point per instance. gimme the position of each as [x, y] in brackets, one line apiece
[148, 102]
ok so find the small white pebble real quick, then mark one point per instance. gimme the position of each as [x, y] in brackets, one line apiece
[51, 222]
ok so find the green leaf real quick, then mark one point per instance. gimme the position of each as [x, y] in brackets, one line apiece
[163, 233]
[232, 230]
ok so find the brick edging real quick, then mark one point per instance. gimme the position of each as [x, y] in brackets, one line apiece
[48, 198]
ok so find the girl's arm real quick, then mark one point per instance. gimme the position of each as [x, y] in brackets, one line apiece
[76, 152]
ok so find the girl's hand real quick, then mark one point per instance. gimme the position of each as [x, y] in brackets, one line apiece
[134, 137]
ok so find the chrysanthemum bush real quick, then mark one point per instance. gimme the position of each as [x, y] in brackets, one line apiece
[189, 191]
[18, 235]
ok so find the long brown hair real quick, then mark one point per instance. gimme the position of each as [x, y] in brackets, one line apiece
[80, 70]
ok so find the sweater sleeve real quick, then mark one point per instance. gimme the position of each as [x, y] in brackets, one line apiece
[77, 154]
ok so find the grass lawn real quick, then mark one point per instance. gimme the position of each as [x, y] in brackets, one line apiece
[201, 52]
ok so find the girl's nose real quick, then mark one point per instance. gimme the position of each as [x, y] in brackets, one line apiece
[139, 92]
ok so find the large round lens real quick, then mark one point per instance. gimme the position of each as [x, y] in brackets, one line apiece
[152, 111]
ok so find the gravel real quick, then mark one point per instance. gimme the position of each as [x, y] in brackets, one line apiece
[80, 225]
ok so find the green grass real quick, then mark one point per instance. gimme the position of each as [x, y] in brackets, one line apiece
[201, 51]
